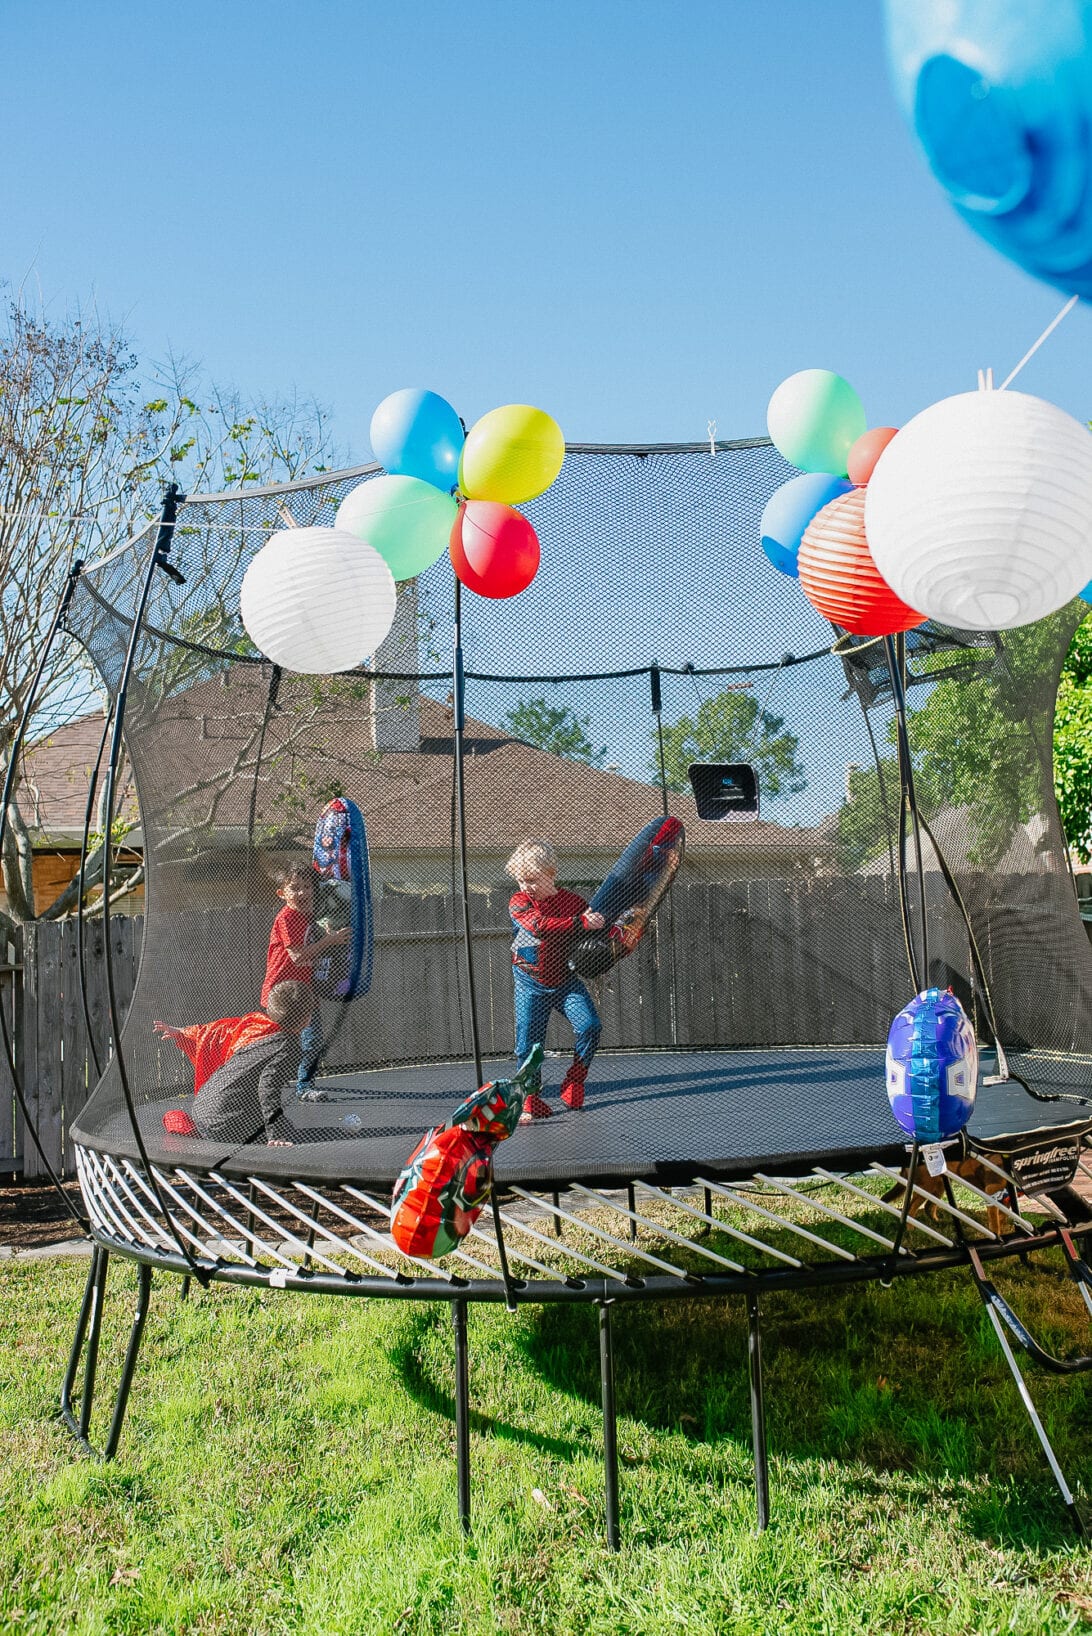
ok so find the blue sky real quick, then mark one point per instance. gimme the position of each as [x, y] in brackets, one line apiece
[639, 215]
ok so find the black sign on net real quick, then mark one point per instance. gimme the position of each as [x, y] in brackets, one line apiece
[725, 790]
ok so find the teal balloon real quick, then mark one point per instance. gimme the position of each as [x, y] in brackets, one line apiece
[418, 434]
[790, 509]
[405, 519]
[1087, 592]
[814, 419]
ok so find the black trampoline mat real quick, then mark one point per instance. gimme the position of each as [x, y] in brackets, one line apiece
[665, 1116]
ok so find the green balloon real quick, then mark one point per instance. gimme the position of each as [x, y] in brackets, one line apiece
[814, 419]
[406, 520]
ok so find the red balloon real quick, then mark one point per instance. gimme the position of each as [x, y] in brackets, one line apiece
[841, 580]
[494, 549]
[863, 455]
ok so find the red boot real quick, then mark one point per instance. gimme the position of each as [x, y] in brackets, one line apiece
[572, 1089]
[535, 1108]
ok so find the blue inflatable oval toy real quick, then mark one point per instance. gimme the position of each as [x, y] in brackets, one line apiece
[932, 1066]
[790, 509]
[999, 94]
[343, 899]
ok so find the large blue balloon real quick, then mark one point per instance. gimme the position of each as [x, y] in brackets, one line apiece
[418, 434]
[932, 1066]
[999, 93]
[790, 509]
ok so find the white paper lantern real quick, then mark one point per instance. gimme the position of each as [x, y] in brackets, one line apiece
[979, 513]
[317, 600]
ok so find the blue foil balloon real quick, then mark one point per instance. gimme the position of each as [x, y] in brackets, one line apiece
[932, 1066]
[418, 434]
[999, 94]
[790, 509]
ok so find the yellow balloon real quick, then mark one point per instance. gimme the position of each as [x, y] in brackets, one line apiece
[512, 454]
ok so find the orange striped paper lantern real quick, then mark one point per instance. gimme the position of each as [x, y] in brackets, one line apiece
[839, 577]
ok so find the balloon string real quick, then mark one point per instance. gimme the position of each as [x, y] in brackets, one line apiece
[1030, 353]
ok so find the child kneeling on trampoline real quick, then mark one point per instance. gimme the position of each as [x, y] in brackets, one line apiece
[546, 918]
[242, 1066]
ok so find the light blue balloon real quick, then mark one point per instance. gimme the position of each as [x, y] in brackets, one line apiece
[999, 95]
[790, 509]
[418, 434]
[1086, 594]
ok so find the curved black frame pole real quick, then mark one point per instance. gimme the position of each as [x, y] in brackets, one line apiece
[81, 918]
[30, 1125]
[158, 558]
[657, 710]
[894, 648]
[459, 723]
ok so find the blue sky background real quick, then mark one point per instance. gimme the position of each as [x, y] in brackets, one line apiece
[639, 215]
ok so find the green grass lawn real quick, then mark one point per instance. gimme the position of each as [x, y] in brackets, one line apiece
[288, 1465]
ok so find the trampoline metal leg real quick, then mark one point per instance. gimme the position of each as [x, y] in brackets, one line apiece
[631, 1200]
[1025, 1397]
[68, 1385]
[462, 1412]
[91, 1361]
[136, 1335]
[758, 1413]
[610, 1425]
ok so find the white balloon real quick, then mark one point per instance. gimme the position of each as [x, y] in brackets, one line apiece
[979, 513]
[317, 600]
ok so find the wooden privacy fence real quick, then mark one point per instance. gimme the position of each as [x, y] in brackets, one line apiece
[748, 963]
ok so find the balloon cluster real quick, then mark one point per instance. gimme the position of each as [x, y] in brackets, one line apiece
[813, 526]
[977, 514]
[318, 600]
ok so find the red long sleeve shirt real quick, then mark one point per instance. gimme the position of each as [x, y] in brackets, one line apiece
[544, 932]
[291, 930]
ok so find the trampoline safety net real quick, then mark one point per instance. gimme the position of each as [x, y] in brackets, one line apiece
[781, 942]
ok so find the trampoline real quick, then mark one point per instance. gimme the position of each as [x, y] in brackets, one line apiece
[736, 1136]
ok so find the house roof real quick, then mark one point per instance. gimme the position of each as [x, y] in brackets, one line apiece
[195, 754]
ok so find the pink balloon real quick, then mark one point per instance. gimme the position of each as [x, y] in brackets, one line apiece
[863, 455]
[494, 549]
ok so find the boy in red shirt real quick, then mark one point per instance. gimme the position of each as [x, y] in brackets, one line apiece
[546, 919]
[294, 951]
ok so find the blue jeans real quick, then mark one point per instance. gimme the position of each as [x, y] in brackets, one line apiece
[310, 1050]
[534, 1005]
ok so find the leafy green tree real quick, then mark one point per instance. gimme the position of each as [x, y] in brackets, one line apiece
[732, 727]
[88, 438]
[1073, 744]
[555, 728]
[975, 748]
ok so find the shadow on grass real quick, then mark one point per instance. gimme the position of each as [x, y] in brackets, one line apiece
[905, 1381]
[408, 1360]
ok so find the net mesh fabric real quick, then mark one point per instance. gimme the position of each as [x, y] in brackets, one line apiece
[780, 934]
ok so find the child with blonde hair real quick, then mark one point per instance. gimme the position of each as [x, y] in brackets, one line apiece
[546, 919]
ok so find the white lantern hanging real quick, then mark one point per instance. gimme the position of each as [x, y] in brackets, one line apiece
[317, 600]
[979, 513]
